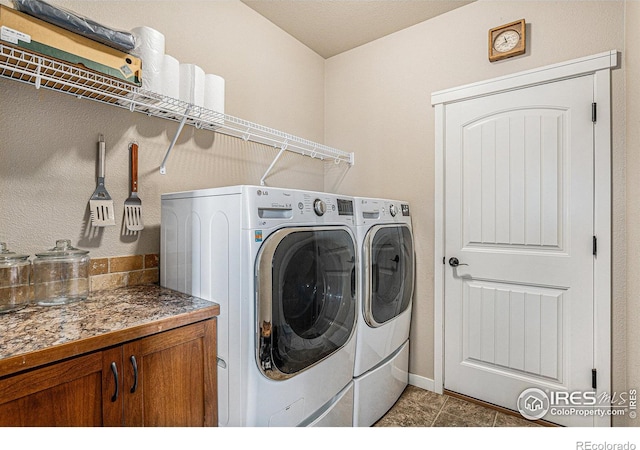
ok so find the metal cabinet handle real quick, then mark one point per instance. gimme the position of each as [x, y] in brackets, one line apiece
[114, 370]
[134, 363]
[453, 262]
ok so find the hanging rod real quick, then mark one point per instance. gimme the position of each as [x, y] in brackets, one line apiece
[41, 71]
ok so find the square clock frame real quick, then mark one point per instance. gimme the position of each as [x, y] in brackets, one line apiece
[507, 40]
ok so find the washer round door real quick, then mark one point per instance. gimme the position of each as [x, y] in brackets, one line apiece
[306, 298]
[389, 280]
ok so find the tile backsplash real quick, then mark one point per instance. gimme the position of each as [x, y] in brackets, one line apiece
[120, 271]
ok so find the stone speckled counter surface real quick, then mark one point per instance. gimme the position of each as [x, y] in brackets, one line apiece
[69, 330]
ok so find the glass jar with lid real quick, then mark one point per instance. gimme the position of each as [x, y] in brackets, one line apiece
[61, 275]
[15, 271]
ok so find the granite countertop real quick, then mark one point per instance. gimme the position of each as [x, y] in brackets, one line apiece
[140, 310]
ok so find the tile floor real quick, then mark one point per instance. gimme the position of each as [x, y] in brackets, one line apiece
[420, 408]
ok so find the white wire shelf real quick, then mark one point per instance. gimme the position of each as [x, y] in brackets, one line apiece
[41, 71]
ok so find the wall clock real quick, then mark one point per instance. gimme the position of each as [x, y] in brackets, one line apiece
[507, 40]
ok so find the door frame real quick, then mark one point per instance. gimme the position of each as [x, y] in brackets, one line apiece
[598, 65]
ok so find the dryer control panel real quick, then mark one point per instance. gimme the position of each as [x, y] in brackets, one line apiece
[374, 210]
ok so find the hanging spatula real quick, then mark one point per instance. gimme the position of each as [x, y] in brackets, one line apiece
[133, 205]
[100, 203]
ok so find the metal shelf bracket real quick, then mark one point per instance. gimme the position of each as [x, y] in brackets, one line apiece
[163, 166]
[273, 163]
[246, 135]
[132, 105]
[38, 73]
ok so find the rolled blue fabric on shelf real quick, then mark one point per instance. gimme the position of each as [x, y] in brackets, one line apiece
[69, 20]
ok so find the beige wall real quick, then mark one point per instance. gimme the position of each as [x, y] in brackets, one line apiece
[377, 103]
[48, 140]
[374, 100]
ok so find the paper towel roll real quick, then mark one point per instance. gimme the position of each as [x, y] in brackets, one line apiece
[171, 77]
[150, 49]
[214, 92]
[192, 84]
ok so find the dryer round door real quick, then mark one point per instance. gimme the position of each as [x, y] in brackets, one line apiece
[306, 299]
[389, 262]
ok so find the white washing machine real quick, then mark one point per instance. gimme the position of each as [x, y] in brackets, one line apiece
[387, 270]
[282, 264]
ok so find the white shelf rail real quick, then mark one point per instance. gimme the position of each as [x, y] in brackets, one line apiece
[41, 71]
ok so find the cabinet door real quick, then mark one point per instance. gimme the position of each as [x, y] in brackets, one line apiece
[65, 394]
[170, 378]
[112, 387]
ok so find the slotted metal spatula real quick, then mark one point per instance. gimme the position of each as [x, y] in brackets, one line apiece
[133, 205]
[100, 203]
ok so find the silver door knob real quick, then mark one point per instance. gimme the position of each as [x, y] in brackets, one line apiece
[453, 262]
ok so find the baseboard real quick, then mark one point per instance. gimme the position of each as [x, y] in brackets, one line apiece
[429, 385]
[422, 382]
[507, 411]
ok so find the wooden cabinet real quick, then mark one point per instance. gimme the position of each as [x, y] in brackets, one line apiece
[170, 379]
[165, 379]
[63, 394]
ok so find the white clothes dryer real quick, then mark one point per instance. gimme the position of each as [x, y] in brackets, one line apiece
[282, 264]
[385, 242]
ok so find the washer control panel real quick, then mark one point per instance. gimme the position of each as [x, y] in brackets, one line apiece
[276, 204]
[345, 207]
[319, 207]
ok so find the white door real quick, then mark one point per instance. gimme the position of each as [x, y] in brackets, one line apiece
[519, 194]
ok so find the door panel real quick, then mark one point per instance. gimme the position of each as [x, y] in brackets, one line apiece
[519, 217]
[517, 328]
[513, 177]
[169, 378]
[65, 394]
